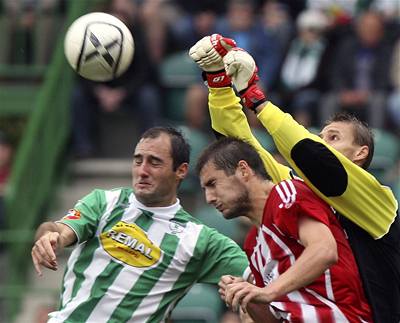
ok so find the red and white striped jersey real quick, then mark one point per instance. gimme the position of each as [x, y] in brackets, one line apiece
[337, 295]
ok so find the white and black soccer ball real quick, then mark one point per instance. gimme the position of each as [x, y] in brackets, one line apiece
[99, 46]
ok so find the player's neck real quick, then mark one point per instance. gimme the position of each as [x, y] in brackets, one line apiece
[258, 197]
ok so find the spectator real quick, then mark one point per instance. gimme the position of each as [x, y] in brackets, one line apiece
[193, 127]
[31, 26]
[6, 158]
[135, 92]
[394, 98]
[192, 27]
[155, 16]
[273, 37]
[240, 23]
[196, 111]
[360, 73]
[302, 79]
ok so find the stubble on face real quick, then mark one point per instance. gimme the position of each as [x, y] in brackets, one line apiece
[241, 205]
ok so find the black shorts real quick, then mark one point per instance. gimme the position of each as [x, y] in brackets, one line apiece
[379, 266]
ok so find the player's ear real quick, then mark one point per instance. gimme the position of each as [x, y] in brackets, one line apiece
[361, 154]
[243, 168]
[182, 171]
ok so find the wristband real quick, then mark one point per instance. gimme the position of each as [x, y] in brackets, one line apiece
[217, 79]
[252, 97]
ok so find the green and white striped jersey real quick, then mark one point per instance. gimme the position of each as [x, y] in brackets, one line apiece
[133, 263]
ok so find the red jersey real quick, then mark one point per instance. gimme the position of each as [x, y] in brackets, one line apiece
[337, 295]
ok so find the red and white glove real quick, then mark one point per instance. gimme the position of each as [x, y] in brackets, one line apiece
[208, 53]
[241, 68]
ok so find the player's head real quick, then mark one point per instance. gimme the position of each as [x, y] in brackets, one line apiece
[227, 168]
[160, 163]
[350, 136]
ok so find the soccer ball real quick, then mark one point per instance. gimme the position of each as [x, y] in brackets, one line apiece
[99, 46]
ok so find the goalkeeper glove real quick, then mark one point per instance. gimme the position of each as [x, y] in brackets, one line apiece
[242, 69]
[208, 53]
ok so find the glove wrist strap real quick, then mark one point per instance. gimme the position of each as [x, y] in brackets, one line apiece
[217, 79]
[252, 97]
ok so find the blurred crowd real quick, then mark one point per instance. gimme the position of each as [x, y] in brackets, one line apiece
[315, 57]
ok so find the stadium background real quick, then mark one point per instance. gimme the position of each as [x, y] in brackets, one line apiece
[43, 169]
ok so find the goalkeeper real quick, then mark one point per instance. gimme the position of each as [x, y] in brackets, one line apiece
[333, 166]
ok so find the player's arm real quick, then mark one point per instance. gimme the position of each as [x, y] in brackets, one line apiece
[78, 225]
[320, 252]
[50, 237]
[351, 190]
[227, 117]
[222, 257]
[347, 187]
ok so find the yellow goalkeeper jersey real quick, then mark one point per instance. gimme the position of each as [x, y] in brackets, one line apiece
[348, 188]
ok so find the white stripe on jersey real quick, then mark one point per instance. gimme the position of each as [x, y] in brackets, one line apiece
[280, 243]
[337, 313]
[69, 279]
[308, 312]
[257, 253]
[328, 285]
[181, 258]
[287, 192]
[292, 188]
[112, 198]
[261, 251]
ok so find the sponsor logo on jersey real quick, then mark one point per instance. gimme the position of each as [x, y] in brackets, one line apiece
[73, 214]
[128, 243]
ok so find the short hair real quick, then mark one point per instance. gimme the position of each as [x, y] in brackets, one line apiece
[180, 148]
[363, 135]
[226, 153]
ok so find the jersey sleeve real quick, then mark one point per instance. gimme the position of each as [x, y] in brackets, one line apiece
[84, 217]
[228, 119]
[222, 256]
[351, 190]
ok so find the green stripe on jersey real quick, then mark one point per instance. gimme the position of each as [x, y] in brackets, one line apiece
[117, 213]
[143, 286]
[99, 289]
[185, 280]
[145, 220]
[84, 260]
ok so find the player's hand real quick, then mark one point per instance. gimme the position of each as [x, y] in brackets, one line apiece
[209, 50]
[44, 252]
[224, 282]
[242, 69]
[208, 53]
[240, 294]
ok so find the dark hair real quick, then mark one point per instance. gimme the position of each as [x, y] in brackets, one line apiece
[226, 154]
[363, 135]
[180, 148]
